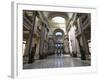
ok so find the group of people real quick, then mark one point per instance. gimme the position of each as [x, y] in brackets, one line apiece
[59, 52]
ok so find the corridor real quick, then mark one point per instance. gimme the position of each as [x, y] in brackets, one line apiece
[55, 61]
[56, 39]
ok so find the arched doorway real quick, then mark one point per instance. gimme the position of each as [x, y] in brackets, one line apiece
[58, 41]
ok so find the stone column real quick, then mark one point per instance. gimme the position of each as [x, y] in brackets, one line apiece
[78, 41]
[41, 54]
[85, 45]
[46, 41]
[29, 42]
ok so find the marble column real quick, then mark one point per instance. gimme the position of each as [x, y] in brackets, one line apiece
[85, 45]
[46, 42]
[41, 51]
[27, 55]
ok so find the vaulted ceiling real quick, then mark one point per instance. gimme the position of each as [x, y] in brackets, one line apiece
[52, 25]
[47, 16]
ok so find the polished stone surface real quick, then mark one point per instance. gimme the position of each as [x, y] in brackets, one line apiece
[55, 61]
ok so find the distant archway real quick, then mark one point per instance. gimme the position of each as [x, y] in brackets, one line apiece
[55, 14]
[58, 32]
[58, 39]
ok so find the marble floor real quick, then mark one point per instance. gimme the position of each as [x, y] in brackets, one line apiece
[55, 61]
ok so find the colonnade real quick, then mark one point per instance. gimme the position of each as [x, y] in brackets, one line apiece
[33, 41]
[39, 44]
[81, 31]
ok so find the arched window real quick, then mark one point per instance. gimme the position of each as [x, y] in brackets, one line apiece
[58, 33]
[58, 20]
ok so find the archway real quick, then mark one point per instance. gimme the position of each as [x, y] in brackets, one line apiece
[58, 41]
